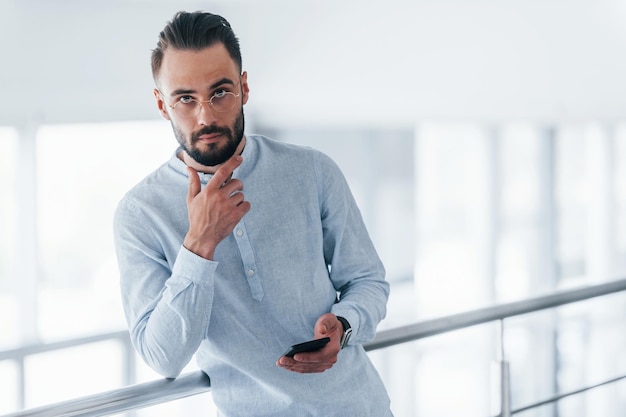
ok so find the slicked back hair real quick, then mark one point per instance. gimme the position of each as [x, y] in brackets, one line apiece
[195, 31]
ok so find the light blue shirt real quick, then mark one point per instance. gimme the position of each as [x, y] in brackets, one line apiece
[301, 246]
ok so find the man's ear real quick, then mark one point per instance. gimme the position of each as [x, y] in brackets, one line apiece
[161, 104]
[245, 89]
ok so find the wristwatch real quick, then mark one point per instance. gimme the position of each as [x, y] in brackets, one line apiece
[347, 332]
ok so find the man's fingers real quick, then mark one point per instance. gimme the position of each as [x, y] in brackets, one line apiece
[194, 184]
[303, 367]
[325, 325]
[237, 198]
[225, 172]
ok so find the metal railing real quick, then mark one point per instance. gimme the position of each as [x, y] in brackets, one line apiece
[160, 391]
[19, 355]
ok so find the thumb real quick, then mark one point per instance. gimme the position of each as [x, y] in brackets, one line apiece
[325, 325]
[194, 184]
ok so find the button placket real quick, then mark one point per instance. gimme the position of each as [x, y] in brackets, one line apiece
[249, 261]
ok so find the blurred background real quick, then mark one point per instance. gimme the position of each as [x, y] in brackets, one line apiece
[484, 140]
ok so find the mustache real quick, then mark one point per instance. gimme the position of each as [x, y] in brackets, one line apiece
[208, 130]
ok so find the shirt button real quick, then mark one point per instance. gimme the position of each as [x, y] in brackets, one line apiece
[239, 232]
[250, 272]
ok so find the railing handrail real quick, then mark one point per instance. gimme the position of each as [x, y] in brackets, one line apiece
[123, 399]
[439, 325]
[159, 391]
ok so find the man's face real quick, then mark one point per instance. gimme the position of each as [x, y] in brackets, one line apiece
[186, 78]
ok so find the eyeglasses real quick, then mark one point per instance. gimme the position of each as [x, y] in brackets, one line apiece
[221, 101]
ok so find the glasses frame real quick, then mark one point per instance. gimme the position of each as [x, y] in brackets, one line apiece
[200, 102]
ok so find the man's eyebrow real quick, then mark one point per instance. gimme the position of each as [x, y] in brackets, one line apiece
[224, 80]
[181, 91]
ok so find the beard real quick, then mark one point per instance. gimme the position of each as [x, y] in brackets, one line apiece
[214, 154]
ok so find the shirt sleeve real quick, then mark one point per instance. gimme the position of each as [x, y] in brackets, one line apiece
[355, 267]
[167, 308]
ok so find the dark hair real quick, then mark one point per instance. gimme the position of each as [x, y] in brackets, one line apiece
[195, 31]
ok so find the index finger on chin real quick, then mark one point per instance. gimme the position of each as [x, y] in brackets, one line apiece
[225, 171]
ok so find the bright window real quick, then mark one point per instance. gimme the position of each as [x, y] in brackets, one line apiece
[83, 171]
[8, 237]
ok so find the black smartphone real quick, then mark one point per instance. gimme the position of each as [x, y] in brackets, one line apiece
[310, 346]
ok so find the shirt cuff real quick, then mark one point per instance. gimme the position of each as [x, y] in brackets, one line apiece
[349, 315]
[192, 267]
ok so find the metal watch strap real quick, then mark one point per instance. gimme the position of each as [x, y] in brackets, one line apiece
[347, 332]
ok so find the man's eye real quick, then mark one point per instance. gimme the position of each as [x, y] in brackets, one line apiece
[186, 99]
[220, 93]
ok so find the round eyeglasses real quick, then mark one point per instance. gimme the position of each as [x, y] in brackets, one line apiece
[221, 101]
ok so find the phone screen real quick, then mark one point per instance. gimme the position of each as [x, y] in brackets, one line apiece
[310, 346]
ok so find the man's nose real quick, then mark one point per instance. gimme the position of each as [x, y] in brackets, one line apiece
[206, 113]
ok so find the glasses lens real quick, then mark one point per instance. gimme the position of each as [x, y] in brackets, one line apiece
[186, 109]
[224, 101]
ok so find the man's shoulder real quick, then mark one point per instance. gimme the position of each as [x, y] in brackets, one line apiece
[269, 145]
[156, 185]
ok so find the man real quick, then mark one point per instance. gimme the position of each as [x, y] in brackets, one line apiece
[236, 279]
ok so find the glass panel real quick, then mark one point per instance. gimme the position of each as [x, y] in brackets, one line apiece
[83, 171]
[74, 372]
[8, 239]
[422, 377]
[451, 194]
[619, 185]
[9, 392]
[571, 175]
[529, 349]
[591, 346]
[588, 404]
[518, 253]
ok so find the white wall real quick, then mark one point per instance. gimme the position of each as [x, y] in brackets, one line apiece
[332, 62]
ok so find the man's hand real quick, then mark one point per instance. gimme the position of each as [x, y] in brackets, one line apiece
[214, 211]
[319, 361]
